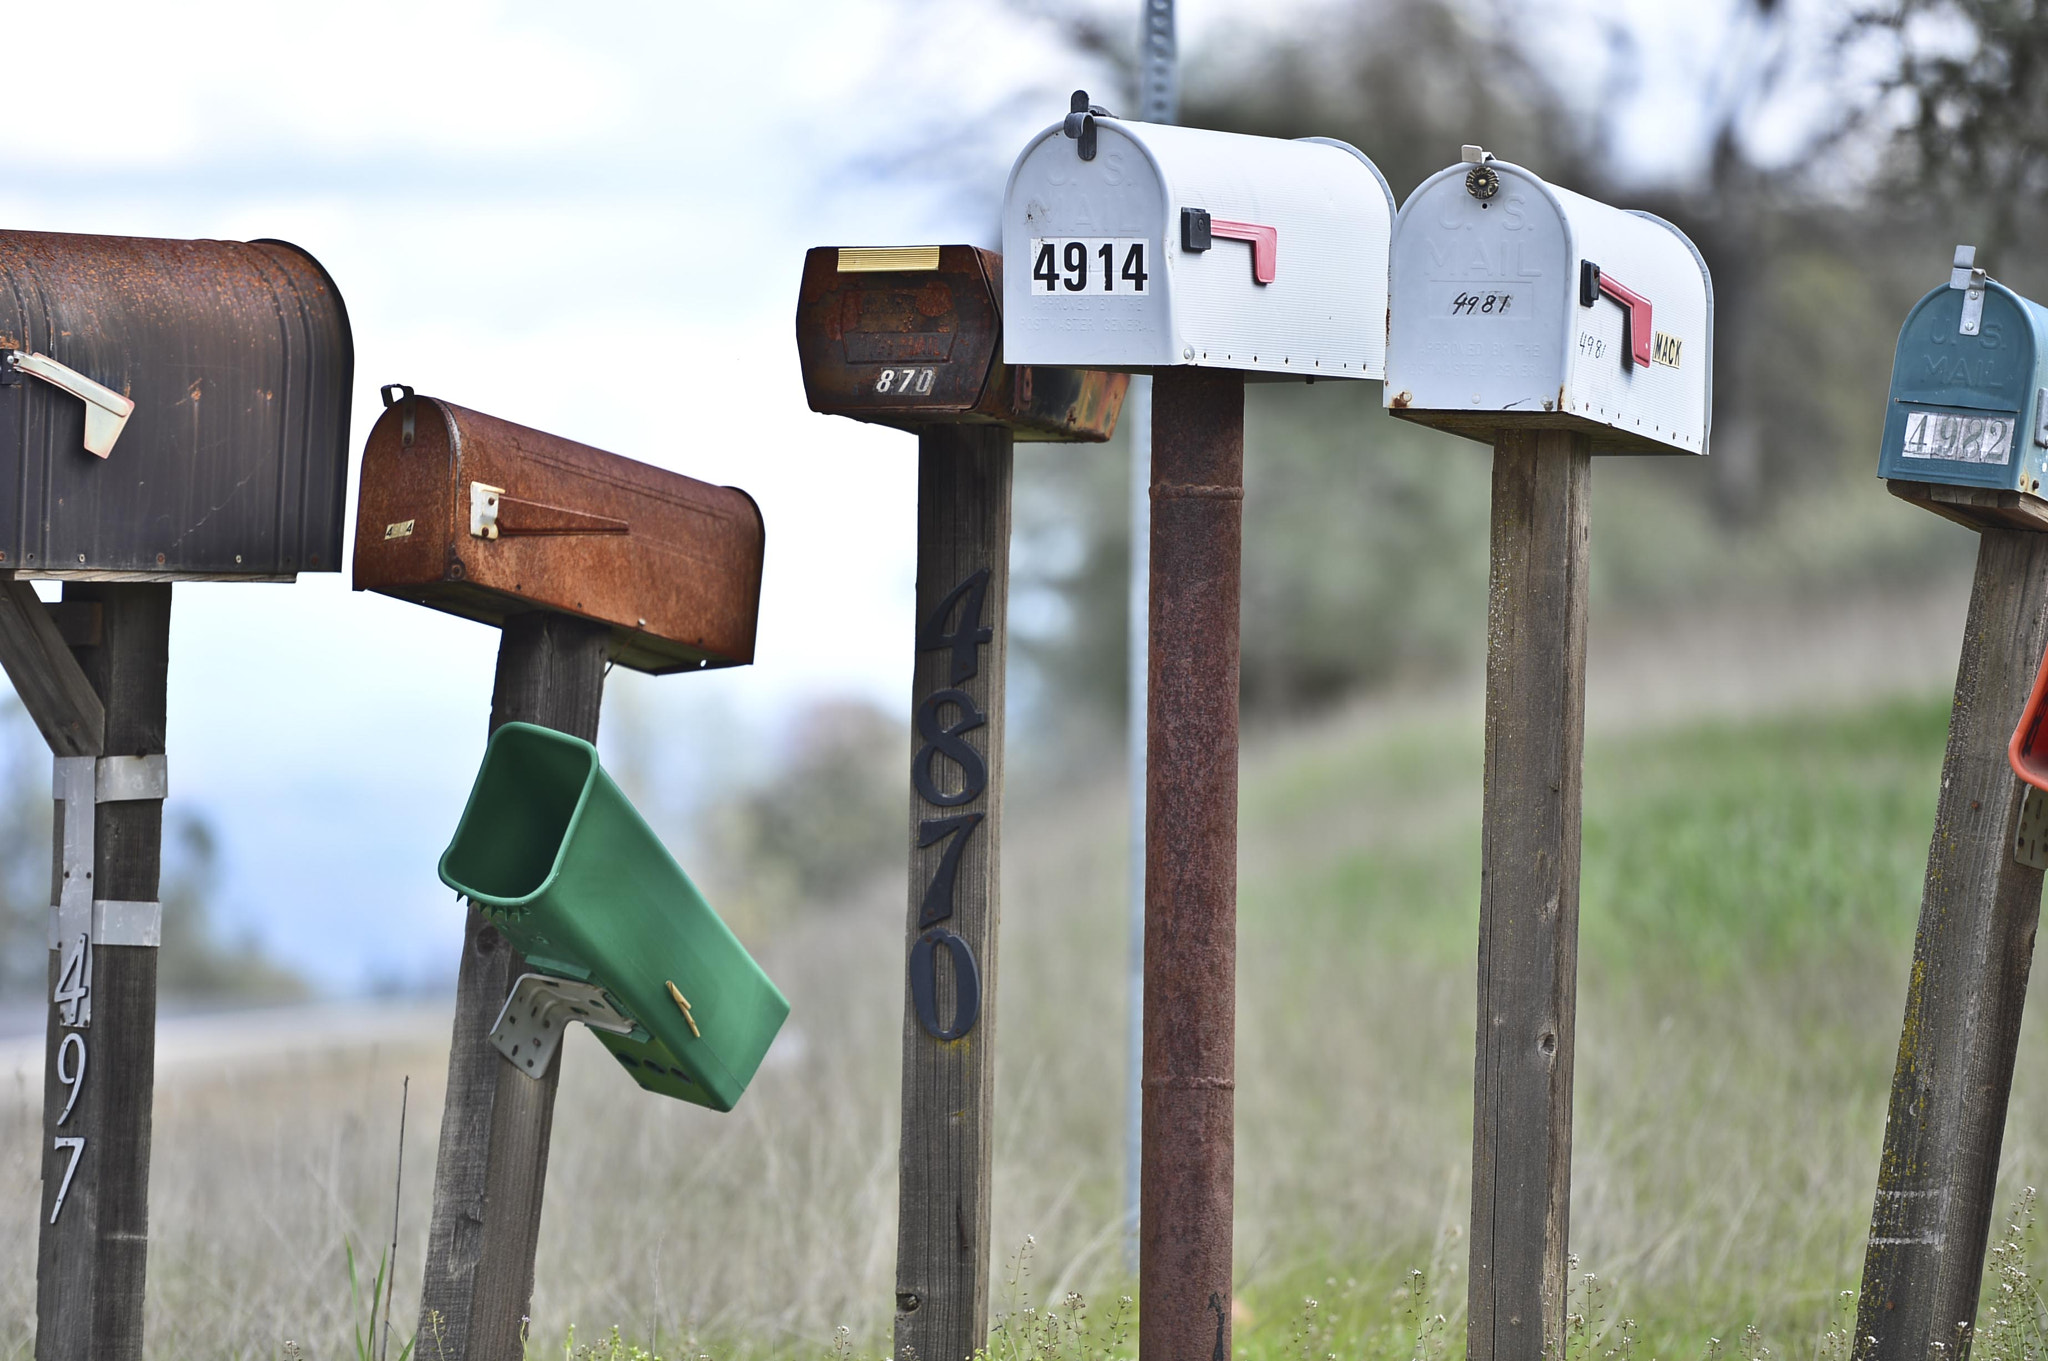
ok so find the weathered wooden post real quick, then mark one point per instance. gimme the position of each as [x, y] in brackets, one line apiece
[909, 337]
[582, 558]
[1202, 258]
[1554, 328]
[1964, 438]
[169, 411]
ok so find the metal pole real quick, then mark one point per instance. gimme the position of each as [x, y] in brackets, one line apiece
[1158, 102]
[1184, 1274]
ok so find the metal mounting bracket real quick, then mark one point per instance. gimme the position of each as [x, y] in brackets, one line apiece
[80, 920]
[529, 1027]
[2030, 843]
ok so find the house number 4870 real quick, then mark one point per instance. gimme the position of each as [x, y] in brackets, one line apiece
[949, 773]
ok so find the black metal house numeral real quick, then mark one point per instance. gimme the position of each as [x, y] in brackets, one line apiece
[947, 772]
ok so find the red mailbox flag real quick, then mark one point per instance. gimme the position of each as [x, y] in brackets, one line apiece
[2028, 751]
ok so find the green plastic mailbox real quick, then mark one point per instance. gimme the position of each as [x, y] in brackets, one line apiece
[561, 862]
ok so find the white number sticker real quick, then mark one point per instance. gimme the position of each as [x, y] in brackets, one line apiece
[1094, 265]
[1475, 303]
[1959, 439]
[906, 382]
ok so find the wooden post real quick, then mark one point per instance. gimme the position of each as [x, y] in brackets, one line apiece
[1529, 895]
[100, 1058]
[1189, 1098]
[493, 1158]
[1928, 1229]
[956, 802]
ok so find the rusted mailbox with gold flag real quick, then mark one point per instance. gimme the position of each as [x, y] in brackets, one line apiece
[581, 558]
[912, 337]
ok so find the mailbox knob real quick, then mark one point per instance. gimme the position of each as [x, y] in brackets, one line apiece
[106, 411]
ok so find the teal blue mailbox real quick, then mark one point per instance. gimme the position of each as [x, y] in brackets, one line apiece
[618, 937]
[1968, 389]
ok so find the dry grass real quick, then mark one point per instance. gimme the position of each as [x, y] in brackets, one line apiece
[1730, 1095]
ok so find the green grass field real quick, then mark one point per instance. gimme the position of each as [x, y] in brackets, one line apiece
[1749, 895]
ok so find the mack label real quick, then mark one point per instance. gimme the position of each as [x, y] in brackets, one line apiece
[1958, 438]
[1664, 349]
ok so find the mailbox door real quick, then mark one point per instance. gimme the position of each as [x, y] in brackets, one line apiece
[1661, 405]
[234, 463]
[1959, 404]
[908, 336]
[1482, 297]
[671, 563]
[1102, 274]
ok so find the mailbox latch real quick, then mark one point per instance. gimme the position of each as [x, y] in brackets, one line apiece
[1080, 124]
[106, 411]
[494, 515]
[529, 1027]
[1964, 274]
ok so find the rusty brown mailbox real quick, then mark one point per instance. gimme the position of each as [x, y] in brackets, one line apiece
[170, 410]
[479, 517]
[912, 336]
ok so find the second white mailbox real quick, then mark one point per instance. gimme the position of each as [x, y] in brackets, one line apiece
[1519, 304]
[1141, 246]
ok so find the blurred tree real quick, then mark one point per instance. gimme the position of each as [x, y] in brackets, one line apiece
[195, 961]
[820, 826]
[1964, 103]
[1365, 537]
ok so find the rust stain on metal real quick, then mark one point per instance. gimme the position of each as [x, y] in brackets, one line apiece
[1191, 863]
[250, 483]
[671, 563]
[1403, 400]
[913, 348]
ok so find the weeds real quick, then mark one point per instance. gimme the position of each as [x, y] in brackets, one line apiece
[366, 1338]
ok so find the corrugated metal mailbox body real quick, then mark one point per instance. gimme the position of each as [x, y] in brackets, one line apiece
[911, 336]
[1967, 396]
[1519, 304]
[211, 379]
[1185, 246]
[479, 517]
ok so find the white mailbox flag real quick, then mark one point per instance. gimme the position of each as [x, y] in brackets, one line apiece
[1519, 304]
[1140, 246]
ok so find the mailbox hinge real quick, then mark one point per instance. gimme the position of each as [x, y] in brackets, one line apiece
[1964, 274]
[529, 1027]
[106, 411]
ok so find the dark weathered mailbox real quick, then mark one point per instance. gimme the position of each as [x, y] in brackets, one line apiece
[170, 410]
[479, 517]
[911, 336]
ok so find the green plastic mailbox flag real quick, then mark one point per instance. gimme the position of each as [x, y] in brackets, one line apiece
[563, 864]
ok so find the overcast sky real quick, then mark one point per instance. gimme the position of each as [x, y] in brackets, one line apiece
[589, 219]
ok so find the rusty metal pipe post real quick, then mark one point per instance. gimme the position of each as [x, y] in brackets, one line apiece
[1184, 1252]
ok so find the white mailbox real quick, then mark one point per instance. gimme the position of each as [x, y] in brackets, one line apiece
[1139, 246]
[1519, 304]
